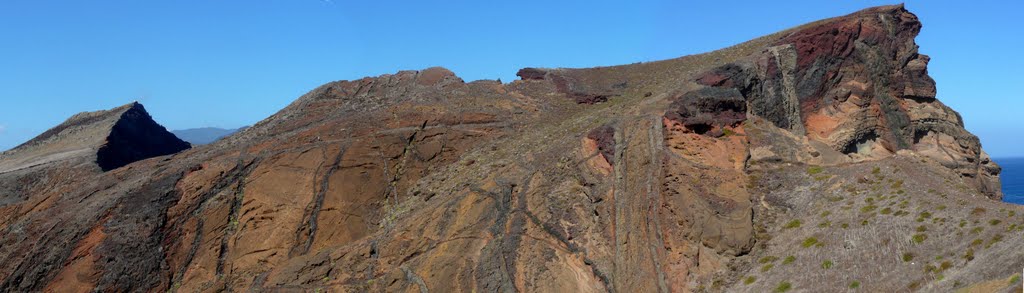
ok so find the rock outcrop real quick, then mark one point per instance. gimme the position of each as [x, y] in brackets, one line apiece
[135, 136]
[109, 139]
[859, 85]
[805, 159]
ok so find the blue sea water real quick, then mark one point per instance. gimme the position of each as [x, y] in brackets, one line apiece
[1013, 179]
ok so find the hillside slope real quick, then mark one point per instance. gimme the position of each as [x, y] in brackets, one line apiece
[816, 159]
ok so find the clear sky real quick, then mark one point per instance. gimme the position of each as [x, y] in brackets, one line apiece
[231, 63]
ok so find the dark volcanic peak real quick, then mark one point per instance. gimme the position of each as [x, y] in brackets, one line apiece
[110, 138]
[135, 136]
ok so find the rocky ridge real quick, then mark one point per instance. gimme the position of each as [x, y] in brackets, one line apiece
[816, 158]
[109, 139]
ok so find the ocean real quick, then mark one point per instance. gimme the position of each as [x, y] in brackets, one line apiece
[1013, 179]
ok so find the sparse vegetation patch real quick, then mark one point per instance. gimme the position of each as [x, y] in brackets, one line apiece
[919, 238]
[792, 224]
[810, 241]
[789, 259]
[783, 287]
[814, 170]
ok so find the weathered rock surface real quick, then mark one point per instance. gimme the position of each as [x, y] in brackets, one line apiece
[678, 175]
[859, 85]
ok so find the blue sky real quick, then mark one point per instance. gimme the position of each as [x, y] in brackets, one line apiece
[231, 63]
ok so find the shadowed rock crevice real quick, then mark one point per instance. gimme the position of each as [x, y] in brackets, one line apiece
[604, 137]
[709, 110]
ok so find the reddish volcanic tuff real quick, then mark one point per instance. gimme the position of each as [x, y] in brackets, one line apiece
[854, 82]
[604, 137]
[819, 144]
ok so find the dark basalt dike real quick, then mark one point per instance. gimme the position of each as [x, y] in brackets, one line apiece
[817, 158]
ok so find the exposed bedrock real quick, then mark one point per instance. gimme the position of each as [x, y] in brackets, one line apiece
[670, 176]
[860, 86]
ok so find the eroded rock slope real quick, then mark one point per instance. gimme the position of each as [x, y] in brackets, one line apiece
[678, 175]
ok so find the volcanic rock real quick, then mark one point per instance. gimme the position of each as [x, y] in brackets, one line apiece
[110, 138]
[808, 159]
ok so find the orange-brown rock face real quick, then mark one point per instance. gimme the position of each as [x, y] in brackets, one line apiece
[635, 178]
[858, 84]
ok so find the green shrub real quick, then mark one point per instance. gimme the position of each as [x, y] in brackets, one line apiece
[876, 170]
[767, 267]
[845, 225]
[767, 259]
[994, 222]
[814, 170]
[792, 224]
[825, 224]
[789, 259]
[810, 241]
[825, 213]
[1015, 279]
[977, 230]
[854, 285]
[919, 238]
[908, 256]
[926, 215]
[886, 211]
[977, 242]
[868, 208]
[827, 264]
[749, 280]
[783, 287]
[921, 228]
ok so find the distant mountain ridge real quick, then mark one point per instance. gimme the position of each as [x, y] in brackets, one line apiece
[205, 135]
